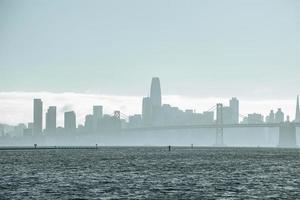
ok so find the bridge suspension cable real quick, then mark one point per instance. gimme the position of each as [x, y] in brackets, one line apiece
[212, 108]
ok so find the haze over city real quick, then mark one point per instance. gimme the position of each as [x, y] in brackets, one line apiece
[203, 51]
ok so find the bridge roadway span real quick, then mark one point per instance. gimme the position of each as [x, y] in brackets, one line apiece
[181, 127]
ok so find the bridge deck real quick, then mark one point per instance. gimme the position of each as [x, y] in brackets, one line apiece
[208, 126]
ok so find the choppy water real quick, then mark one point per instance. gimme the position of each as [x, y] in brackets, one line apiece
[153, 173]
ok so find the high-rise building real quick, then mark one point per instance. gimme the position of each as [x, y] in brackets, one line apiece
[297, 117]
[155, 92]
[88, 124]
[234, 105]
[279, 116]
[271, 117]
[70, 122]
[227, 115]
[51, 120]
[255, 118]
[37, 116]
[155, 97]
[97, 115]
[147, 111]
[135, 121]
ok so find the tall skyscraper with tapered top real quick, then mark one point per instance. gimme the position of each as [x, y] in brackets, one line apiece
[297, 117]
[155, 98]
[37, 116]
[155, 92]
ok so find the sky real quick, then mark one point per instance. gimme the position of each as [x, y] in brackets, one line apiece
[200, 49]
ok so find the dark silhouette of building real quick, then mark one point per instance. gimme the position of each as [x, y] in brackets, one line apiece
[231, 113]
[297, 117]
[254, 118]
[155, 92]
[271, 117]
[70, 122]
[135, 121]
[234, 105]
[37, 116]
[227, 115]
[111, 124]
[88, 124]
[51, 120]
[97, 116]
[147, 112]
[279, 116]
[155, 97]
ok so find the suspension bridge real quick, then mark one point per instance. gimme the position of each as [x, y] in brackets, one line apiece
[287, 130]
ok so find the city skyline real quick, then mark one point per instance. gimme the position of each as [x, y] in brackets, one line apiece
[155, 102]
[17, 108]
[131, 99]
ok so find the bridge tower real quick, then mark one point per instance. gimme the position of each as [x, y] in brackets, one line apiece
[219, 124]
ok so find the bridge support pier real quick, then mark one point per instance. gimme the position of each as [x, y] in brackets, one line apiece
[287, 135]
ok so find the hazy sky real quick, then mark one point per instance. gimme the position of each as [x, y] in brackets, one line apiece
[199, 49]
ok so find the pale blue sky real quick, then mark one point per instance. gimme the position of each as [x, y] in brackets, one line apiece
[243, 48]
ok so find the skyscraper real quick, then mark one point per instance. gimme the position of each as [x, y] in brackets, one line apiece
[97, 115]
[70, 122]
[88, 124]
[155, 93]
[147, 111]
[234, 105]
[271, 117]
[51, 120]
[279, 116]
[155, 97]
[227, 115]
[297, 117]
[37, 116]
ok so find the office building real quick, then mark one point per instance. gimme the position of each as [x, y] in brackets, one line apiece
[88, 123]
[155, 97]
[234, 106]
[37, 116]
[51, 120]
[279, 116]
[97, 116]
[297, 117]
[271, 117]
[135, 121]
[227, 114]
[147, 111]
[70, 122]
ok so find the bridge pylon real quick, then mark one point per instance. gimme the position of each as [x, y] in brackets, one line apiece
[219, 125]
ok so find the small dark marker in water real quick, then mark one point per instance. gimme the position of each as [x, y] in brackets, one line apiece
[35, 145]
[96, 146]
[169, 148]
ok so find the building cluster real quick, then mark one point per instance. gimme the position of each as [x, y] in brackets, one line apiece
[154, 113]
[94, 123]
